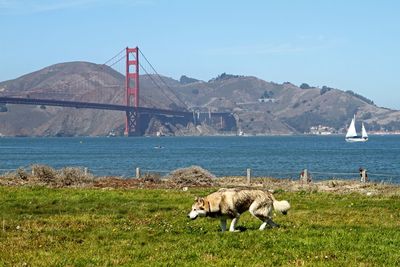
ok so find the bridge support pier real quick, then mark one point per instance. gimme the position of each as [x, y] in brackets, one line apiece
[131, 124]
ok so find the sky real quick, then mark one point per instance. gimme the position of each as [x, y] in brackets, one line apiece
[345, 44]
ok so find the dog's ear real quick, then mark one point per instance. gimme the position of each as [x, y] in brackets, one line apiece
[199, 200]
[196, 199]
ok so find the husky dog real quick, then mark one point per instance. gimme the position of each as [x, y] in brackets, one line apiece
[231, 203]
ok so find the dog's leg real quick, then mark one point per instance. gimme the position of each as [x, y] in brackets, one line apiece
[233, 224]
[272, 223]
[223, 224]
[263, 225]
[259, 210]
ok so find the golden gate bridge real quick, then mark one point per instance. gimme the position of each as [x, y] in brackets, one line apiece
[135, 115]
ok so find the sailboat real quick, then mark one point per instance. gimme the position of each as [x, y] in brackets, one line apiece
[351, 135]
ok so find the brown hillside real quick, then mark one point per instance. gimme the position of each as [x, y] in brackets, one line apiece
[286, 109]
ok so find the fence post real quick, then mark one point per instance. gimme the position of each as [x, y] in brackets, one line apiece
[364, 176]
[137, 172]
[248, 176]
[304, 177]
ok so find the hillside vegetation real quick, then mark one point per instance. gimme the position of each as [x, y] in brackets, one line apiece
[260, 107]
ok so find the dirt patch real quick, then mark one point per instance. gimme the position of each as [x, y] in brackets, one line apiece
[334, 186]
[127, 183]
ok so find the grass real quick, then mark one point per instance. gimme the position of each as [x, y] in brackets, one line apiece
[148, 227]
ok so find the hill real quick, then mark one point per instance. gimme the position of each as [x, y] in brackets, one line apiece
[269, 108]
[79, 81]
[260, 107]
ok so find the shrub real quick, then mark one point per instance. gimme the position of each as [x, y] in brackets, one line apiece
[68, 176]
[44, 173]
[72, 176]
[21, 174]
[296, 105]
[152, 177]
[191, 176]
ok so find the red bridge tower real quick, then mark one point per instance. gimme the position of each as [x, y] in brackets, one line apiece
[132, 91]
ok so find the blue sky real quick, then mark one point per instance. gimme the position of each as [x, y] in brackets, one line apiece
[350, 45]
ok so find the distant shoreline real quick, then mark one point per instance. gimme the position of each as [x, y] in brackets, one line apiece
[214, 135]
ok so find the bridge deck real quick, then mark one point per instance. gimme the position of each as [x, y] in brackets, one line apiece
[89, 105]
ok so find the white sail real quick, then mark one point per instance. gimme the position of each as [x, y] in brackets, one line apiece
[351, 132]
[351, 135]
[363, 132]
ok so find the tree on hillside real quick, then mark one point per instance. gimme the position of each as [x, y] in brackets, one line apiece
[186, 80]
[305, 86]
[363, 98]
[224, 76]
[325, 89]
[267, 94]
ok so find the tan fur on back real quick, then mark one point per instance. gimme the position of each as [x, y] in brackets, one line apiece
[231, 202]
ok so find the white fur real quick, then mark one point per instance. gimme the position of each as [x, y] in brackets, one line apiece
[263, 225]
[233, 224]
[194, 213]
[281, 206]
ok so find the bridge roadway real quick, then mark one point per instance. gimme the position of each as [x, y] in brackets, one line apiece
[89, 105]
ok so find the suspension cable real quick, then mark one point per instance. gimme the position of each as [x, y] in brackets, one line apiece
[152, 79]
[159, 76]
[105, 63]
[118, 57]
[121, 58]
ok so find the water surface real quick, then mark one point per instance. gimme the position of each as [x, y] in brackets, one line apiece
[278, 156]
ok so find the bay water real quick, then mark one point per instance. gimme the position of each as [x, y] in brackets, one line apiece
[324, 157]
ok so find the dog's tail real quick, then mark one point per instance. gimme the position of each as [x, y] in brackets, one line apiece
[282, 206]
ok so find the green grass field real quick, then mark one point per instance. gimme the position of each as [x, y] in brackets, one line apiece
[143, 227]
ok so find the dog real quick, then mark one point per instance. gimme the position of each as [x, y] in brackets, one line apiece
[231, 203]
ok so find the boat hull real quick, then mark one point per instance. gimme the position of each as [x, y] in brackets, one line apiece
[356, 139]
